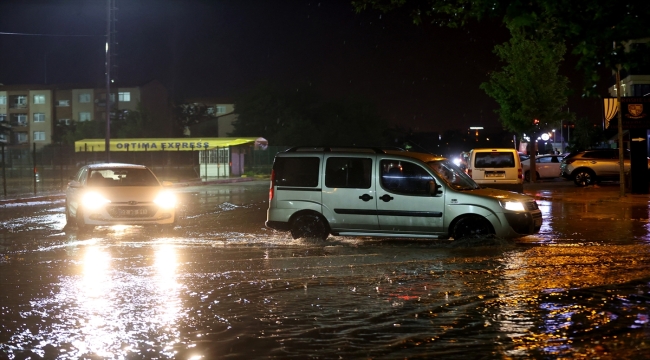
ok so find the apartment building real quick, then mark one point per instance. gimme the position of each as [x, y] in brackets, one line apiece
[29, 113]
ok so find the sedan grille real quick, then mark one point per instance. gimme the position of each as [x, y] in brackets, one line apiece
[132, 211]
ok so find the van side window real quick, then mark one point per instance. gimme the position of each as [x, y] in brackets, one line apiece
[296, 171]
[344, 172]
[403, 177]
[494, 160]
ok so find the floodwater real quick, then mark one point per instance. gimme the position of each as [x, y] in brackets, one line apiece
[223, 286]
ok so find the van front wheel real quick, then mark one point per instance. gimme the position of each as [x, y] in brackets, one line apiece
[472, 227]
[309, 226]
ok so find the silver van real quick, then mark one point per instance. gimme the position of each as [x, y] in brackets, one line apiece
[316, 192]
[498, 168]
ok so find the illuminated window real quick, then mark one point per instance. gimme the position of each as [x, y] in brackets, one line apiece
[84, 98]
[39, 135]
[3, 100]
[84, 116]
[39, 99]
[39, 117]
[124, 96]
[21, 137]
[63, 103]
[221, 109]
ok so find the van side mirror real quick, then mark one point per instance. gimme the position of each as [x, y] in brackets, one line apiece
[434, 188]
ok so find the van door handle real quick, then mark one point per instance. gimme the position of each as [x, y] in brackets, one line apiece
[365, 197]
[386, 198]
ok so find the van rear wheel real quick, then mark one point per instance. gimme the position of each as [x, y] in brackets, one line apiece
[309, 226]
[472, 227]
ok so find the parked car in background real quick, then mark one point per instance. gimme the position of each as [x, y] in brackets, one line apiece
[590, 166]
[546, 166]
[498, 168]
[118, 194]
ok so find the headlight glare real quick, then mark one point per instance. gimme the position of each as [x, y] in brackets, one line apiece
[93, 200]
[165, 200]
[512, 205]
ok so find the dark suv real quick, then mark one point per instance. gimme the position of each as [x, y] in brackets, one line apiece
[589, 166]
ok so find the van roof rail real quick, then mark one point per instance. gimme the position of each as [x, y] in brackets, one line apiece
[376, 150]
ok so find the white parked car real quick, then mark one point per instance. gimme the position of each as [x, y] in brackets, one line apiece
[118, 194]
[547, 166]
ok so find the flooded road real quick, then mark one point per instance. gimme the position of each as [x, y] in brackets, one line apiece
[223, 286]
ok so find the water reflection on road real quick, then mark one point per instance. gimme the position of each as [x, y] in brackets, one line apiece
[223, 285]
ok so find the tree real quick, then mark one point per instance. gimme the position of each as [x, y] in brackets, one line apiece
[529, 89]
[596, 31]
[297, 117]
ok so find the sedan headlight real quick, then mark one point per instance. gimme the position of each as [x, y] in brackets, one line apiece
[165, 200]
[93, 200]
[512, 205]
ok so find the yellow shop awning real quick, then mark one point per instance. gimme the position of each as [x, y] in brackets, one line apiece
[160, 144]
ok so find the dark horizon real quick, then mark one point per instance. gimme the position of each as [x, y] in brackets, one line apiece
[423, 77]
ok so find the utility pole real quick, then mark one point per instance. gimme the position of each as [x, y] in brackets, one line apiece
[107, 145]
[621, 176]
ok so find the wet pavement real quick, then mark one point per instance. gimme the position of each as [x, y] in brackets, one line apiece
[223, 286]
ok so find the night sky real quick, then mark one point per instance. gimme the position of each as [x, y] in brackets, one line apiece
[421, 77]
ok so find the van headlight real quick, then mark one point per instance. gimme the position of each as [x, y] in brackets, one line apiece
[165, 200]
[512, 205]
[93, 200]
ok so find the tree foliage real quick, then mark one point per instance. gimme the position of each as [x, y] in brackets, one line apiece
[124, 124]
[298, 117]
[594, 30]
[529, 87]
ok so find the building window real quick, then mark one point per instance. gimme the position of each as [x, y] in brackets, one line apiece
[39, 117]
[112, 98]
[84, 116]
[39, 135]
[221, 109]
[21, 137]
[39, 99]
[3, 100]
[124, 96]
[65, 122]
[3, 117]
[21, 119]
[84, 98]
[63, 103]
[20, 101]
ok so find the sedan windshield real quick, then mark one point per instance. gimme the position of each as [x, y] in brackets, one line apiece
[452, 175]
[122, 177]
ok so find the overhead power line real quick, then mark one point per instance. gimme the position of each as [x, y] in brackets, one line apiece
[51, 35]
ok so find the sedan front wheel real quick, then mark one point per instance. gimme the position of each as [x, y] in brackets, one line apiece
[584, 178]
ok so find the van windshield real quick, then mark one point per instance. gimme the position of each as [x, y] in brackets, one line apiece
[452, 175]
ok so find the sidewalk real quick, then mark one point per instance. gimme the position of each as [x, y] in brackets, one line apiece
[567, 191]
[58, 195]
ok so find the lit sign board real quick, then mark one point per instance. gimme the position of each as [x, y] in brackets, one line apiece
[144, 144]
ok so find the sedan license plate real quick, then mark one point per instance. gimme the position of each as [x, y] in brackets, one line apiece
[138, 212]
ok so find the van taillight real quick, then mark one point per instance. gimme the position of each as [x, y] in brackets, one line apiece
[469, 172]
[519, 173]
[272, 182]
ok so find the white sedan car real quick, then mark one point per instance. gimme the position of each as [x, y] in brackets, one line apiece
[118, 194]
[547, 166]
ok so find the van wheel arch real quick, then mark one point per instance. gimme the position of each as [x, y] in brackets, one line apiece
[471, 226]
[309, 225]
